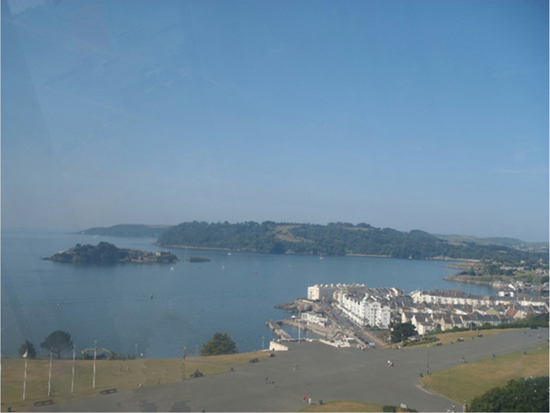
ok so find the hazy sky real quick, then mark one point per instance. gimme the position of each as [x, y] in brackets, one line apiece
[425, 115]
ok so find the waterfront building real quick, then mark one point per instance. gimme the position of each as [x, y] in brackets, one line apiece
[365, 310]
[315, 318]
[320, 292]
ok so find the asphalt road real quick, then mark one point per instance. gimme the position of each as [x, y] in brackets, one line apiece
[323, 373]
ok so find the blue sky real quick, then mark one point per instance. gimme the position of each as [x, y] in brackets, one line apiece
[425, 115]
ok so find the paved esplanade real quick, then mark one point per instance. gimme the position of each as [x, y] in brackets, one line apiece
[323, 372]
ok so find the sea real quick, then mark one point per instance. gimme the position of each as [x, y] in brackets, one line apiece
[166, 310]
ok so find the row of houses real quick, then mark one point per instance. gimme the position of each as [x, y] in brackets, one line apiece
[427, 319]
[426, 310]
[460, 297]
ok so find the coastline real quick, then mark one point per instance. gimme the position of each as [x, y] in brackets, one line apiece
[189, 247]
[455, 278]
[460, 263]
[368, 255]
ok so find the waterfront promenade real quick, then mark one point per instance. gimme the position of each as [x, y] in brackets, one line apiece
[318, 371]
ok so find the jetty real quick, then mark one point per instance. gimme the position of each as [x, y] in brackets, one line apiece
[276, 327]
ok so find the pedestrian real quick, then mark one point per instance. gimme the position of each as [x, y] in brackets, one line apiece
[305, 398]
[310, 400]
[266, 380]
[272, 384]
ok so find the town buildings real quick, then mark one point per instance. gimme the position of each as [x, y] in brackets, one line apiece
[426, 310]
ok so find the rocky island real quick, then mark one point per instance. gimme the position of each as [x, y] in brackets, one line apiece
[105, 253]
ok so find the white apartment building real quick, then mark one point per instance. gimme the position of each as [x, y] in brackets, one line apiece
[325, 292]
[321, 292]
[454, 297]
[364, 310]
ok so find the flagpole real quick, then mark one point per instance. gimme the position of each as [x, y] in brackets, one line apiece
[72, 378]
[25, 379]
[95, 357]
[299, 326]
[50, 375]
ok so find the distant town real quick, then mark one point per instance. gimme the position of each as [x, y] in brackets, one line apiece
[354, 314]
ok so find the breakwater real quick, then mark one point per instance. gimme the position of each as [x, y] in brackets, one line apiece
[276, 327]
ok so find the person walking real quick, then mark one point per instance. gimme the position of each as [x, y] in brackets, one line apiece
[305, 398]
[310, 400]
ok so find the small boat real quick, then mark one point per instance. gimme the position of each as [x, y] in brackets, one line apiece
[228, 253]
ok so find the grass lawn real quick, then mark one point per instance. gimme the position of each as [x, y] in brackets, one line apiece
[452, 337]
[123, 375]
[344, 406]
[466, 381]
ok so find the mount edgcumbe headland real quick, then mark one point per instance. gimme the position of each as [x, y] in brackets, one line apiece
[332, 239]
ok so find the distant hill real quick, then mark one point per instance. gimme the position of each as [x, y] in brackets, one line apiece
[507, 242]
[128, 230]
[332, 239]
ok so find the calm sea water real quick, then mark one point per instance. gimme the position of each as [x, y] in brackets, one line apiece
[190, 301]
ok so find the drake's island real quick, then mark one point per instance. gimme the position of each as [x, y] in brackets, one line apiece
[106, 253]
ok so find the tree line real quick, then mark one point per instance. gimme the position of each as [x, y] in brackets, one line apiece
[335, 239]
[59, 342]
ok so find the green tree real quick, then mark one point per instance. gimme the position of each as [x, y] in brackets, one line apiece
[27, 346]
[522, 395]
[402, 331]
[58, 342]
[220, 343]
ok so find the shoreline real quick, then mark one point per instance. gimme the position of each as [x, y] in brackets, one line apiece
[458, 265]
[454, 278]
[189, 247]
[368, 255]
